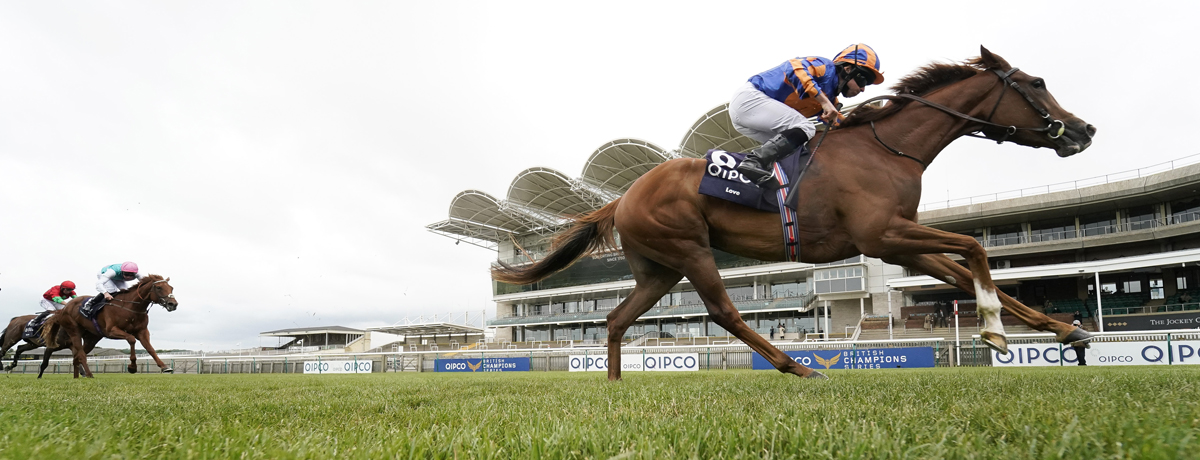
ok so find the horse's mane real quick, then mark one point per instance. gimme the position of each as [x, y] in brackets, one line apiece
[920, 83]
[147, 280]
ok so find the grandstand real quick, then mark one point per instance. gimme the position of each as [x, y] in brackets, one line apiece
[1136, 234]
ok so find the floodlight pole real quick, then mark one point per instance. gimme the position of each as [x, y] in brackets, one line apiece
[1099, 308]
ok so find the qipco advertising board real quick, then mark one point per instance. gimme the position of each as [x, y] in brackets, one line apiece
[482, 365]
[337, 367]
[656, 362]
[1152, 353]
[866, 358]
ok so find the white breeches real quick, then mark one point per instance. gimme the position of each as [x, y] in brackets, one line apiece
[50, 305]
[760, 118]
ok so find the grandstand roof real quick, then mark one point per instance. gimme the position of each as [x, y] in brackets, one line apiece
[310, 330]
[551, 192]
[714, 130]
[428, 329]
[615, 165]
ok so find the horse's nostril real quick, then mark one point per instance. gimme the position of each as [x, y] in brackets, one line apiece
[1091, 130]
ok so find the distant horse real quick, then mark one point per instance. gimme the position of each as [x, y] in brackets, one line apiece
[861, 193]
[14, 333]
[125, 317]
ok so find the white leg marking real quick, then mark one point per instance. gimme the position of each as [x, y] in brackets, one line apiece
[988, 305]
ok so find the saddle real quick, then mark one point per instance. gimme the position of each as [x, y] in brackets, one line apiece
[721, 180]
[91, 307]
[33, 329]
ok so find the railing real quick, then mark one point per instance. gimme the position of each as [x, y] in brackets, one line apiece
[1088, 232]
[1151, 309]
[666, 311]
[1064, 186]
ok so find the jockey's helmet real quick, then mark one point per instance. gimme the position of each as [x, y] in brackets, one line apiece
[129, 267]
[67, 285]
[862, 56]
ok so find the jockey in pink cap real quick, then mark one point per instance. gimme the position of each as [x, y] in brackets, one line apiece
[115, 278]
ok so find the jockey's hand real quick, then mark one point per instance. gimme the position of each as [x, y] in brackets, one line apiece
[831, 116]
[107, 296]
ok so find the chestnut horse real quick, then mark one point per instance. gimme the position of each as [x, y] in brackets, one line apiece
[861, 192]
[125, 317]
[14, 333]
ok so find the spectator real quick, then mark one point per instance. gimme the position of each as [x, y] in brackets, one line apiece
[772, 332]
[1185, 298]
[1080, 350]
[1077, 316]
[929, 321]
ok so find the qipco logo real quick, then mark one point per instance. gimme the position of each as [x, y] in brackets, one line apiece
[589, 363]
[670, 363]
[723, 165]
[459, 366]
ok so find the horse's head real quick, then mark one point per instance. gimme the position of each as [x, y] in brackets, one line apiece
[161, 293]
[1026, 104]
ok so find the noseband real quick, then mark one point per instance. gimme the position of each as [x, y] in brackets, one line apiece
[1005, 131]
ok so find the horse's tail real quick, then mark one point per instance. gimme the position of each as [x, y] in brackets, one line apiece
[589, 233]
[51, 327]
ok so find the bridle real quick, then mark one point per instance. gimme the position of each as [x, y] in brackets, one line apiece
[1006, 130]
[161, 301]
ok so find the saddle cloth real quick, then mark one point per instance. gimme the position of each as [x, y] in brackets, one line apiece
[33, 329]
[91, 307]
[721, 180]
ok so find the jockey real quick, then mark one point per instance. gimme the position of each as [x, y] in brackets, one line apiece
[54, 298]
[114, 278]
[773, 107]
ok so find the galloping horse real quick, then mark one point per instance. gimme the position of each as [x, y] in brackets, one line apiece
[14, 333]
[124, 317]
[860, 196]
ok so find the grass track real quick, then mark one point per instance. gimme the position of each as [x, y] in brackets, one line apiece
[1072, 412]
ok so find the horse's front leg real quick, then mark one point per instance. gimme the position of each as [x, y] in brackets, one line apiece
[904, 240]
[143, 336]
[17, 354]
[941, 267]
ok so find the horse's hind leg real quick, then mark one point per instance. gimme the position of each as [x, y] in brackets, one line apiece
[702, 272]
[21, 349]
[653, 281]
[45, 361]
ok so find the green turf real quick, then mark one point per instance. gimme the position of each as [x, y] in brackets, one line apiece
[1070, 412]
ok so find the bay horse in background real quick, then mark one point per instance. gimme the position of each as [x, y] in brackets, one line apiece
[15, 333]
[861, 192]
[125, 317]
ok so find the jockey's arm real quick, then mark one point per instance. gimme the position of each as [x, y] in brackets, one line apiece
[829, 113]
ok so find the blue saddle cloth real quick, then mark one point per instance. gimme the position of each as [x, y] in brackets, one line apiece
[33, 329]
[721, 180]
[91, 307]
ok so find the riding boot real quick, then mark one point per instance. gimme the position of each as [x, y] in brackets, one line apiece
[756, 165]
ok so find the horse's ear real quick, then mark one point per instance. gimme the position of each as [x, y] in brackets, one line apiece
[992, 61]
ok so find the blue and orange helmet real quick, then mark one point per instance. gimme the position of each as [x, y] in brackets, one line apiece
[863, 56]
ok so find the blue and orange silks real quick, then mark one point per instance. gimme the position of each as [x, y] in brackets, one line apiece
[797, 82]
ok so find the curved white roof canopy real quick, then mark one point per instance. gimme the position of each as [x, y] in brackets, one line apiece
[551, 192]
[714, 130]
[615, 165]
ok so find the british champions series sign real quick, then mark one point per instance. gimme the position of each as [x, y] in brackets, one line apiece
[865, 358]
[482, 365]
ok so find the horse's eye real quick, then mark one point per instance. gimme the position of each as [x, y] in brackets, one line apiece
[1039, 83]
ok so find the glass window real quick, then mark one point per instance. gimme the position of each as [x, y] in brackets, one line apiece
[1050, 230]
[1181, 282]
[1156, 289]
[1185, 211]
[1098, 224]
[741, 293]
[1132, 286]
[1005, 235]
[788, 290]
[1141, 217]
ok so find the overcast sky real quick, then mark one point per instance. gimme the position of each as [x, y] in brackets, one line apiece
[271, 157]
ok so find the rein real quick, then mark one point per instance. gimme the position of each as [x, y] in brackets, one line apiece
[1008, 130]
[139, 299]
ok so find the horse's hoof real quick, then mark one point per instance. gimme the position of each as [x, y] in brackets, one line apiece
[132, 369]
[1077, 338]
[167, 370]
[817, 375]
[995, 341]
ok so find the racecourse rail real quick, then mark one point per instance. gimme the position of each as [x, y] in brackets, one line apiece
[967, 352]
